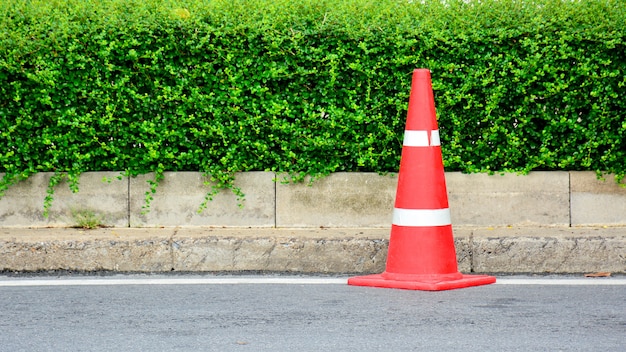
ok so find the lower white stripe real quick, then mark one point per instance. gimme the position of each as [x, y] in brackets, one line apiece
[421, 217]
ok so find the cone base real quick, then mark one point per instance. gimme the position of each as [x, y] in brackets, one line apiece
[433, 284]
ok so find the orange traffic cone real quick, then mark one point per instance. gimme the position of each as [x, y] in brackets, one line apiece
[421, 253]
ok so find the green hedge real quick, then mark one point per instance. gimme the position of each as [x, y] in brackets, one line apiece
[307, 87]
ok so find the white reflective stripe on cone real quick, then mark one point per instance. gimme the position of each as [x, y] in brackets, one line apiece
[421, 217]
[434, 138]
[420, 138]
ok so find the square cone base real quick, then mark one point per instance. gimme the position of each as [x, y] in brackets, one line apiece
[378, 280]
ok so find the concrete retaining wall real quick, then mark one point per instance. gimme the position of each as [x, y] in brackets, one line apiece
[341, 200]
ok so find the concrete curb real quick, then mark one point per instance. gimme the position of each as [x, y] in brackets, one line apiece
[328, 250]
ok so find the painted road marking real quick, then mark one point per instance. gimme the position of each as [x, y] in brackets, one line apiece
[173, 281]
[19, 282]
[567, 282]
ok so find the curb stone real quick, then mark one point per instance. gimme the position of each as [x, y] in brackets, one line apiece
[327, 250]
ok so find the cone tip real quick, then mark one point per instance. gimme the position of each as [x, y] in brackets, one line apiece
[421, 73]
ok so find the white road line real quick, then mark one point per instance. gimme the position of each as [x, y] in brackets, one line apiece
[18, 282]
[568, 282]
[173, 281]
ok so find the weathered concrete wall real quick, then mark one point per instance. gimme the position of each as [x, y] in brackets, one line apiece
[596, 202]
[101, 193]
[180, 194]
[342, 200]
[338, 200]
[539, 198]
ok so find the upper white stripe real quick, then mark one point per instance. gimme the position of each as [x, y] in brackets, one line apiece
[415, 139]
[420, 138]
[421, 217]
[434, 138]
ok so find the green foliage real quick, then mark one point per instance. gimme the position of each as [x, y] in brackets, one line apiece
[86, 219]
[306, 87]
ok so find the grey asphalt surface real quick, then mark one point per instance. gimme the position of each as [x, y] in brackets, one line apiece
[305, 316]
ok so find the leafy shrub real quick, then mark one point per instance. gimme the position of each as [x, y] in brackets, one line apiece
[306, 87]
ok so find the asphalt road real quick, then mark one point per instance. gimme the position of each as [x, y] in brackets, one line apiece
[268, 313]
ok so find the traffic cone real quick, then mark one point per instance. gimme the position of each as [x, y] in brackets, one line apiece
[421, 254]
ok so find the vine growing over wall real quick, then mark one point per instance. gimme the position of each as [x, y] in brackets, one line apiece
[306, 87]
